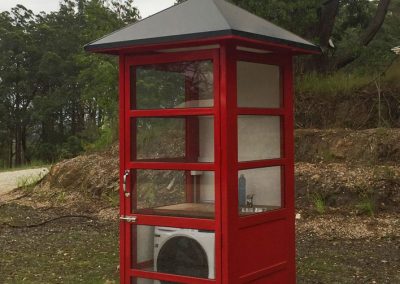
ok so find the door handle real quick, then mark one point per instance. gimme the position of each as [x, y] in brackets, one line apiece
[126, 174]
[129, 219]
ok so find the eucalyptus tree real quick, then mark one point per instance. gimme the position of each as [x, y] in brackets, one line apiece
[54, 97]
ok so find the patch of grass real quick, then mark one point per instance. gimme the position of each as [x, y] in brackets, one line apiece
[113, 199]
[29, 182]
[319, 203]
[64, 251]
[61, 197]
[382, 132]
[331, 84]
[392, 75]
[327, 156]
[322, 265]
[366, 206]
[385, 172]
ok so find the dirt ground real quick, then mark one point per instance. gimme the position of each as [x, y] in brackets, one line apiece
[67, 250]
[84, 249]
[65, 229]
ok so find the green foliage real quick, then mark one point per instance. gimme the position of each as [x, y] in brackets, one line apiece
[57, 100]
[339, 83]
[52, 93]
[319, 203]
[108, 134]
[366, 206]
[27, 183]
[71, 148]
[281, 13]
[392, 75]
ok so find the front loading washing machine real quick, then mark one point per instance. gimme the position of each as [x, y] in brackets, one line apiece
[184, 252]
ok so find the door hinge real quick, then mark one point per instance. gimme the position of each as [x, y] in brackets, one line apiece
[129, 219]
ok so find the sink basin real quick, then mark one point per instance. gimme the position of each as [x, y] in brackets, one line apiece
[252, 209]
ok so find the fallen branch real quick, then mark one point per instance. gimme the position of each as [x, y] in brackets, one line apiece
[48, 221]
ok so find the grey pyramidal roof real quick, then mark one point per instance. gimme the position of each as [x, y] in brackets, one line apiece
[198, 19]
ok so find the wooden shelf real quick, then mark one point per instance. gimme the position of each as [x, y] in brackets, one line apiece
[191, 210]
[199, 210]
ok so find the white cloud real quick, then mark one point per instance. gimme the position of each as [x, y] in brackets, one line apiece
[35, 5]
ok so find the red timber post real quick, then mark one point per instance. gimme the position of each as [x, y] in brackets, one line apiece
[123, 225]
[228, 162]
[289, 155]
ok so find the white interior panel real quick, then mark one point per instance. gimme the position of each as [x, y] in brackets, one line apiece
[259, 137]
[265, 184]
[258, 85]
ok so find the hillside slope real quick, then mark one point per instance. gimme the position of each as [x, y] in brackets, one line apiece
[339, 168]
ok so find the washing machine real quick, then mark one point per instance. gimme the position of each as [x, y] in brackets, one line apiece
[184, 252]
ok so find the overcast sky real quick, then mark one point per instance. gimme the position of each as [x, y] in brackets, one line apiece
[146, 7]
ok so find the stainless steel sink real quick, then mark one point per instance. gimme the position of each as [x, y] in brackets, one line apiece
[254, 209]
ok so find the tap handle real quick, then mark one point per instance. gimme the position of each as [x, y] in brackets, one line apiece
[250, 200]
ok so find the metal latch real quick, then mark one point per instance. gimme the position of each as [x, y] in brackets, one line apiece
[129, 219]
[126, 174]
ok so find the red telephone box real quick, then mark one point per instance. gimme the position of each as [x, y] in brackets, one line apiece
[206, 146]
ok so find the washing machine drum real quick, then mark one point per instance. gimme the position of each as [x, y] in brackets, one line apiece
[182, 256]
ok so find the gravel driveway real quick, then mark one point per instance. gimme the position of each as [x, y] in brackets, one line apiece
[9, 180]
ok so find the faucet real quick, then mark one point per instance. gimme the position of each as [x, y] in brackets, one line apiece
[250, 200]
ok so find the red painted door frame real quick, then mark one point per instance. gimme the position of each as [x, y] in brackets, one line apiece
[228, 226]
[126, 115]
[282, 271]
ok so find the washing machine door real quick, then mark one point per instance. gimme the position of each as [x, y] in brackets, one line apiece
[182, 256]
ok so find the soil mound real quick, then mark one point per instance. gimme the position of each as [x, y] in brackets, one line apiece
[362, 188]
[83, 179]
[356, 170]
[371, 146]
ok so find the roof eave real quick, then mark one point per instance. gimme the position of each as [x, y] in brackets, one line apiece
[116, 48]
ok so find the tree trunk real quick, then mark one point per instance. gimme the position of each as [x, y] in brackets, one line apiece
[18, 148]
[328, 13]
[369, 34]
[25, 156]
[99, 117]
[327, 18]
[376, 23]
[11, 152]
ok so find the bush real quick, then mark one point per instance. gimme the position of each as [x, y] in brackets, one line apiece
[72, 148]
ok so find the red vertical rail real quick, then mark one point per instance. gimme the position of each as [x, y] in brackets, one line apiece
[217, 161]
[191, 139]
[130, 154]
[122, 225]
[229, 163]
[133, 186]
[289, 168]
[133, 137]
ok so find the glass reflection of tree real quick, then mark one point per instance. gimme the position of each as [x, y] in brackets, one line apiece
[168, 85]
[159, 188]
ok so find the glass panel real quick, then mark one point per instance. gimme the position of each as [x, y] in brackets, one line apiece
[185, 139]
[260, 190]
[173, 85]
[185, 252]
[174, 193]
[150, 281]
[258, 85]
[259, 137]
[143, 281]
